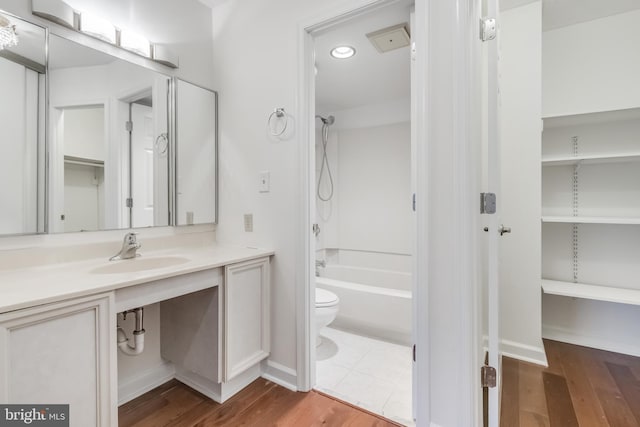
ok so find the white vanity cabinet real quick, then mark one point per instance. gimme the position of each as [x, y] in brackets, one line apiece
[62, 353]
[216, 337]
[245, 337]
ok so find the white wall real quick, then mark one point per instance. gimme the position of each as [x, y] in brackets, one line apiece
[519, 199]
[252, 82]
[18, 148]
[592, 66]
[372, 185]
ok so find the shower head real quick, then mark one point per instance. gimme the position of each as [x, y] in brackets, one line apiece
[329, 120]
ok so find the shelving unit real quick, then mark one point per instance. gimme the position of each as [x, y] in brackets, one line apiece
[591, 183]
[590, 220]
[593, 292]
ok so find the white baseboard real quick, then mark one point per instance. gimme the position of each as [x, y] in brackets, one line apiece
[130, 388]
[569, 336]
[516, 350]
[219, 392]
[279, 374]
[524, 352]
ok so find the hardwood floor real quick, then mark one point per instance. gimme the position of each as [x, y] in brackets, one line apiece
[581, 387]
[262, 403]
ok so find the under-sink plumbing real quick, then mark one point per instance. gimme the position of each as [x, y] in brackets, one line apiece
[138, 334]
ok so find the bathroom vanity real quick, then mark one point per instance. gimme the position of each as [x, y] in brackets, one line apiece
[58, 324]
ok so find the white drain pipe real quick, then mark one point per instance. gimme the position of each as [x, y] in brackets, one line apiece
[138, 334]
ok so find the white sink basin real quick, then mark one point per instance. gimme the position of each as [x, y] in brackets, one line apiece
[139, 264]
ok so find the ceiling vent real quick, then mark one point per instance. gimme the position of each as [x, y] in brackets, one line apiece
[390, 38]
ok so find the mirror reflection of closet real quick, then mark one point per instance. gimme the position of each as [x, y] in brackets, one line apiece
[82, 130]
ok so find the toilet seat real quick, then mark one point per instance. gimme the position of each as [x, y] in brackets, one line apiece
[325, 298]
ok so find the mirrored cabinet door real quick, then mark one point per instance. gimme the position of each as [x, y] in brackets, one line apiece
[108, 144]
[22, 92]
[196, 154]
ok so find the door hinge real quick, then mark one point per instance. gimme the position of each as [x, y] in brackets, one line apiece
[414, 352]
[487, 203]
[488, 376]
[129, 202]
[128, 125]
[413, 203]
[487, 29]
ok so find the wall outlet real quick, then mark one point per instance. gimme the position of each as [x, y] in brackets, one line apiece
[264, 182]
[248, 222]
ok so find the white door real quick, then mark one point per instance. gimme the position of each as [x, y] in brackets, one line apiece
[142, 165]
[493, 220]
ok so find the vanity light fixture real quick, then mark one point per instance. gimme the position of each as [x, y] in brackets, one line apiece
[98, 27]
[61, 13]
[56, 11]
[8, 36]
[343, 52]
[135, 43]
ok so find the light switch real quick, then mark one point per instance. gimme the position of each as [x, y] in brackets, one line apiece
[264, 182]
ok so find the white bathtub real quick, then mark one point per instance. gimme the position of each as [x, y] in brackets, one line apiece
[373, 302]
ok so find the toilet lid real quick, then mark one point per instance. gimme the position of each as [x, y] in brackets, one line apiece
[325, 298]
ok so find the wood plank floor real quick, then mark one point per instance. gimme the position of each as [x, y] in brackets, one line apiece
[581, 387]
[262, 403]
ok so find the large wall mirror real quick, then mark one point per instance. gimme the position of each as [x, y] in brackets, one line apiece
[122, 151]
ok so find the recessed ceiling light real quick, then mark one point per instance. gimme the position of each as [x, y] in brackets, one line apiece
[343, 52]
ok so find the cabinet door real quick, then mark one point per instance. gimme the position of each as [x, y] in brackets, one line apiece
[62, 353]
[246, 316]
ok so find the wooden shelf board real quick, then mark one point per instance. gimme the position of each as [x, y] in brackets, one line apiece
[592, 292]
[591, 159]
[591, 220]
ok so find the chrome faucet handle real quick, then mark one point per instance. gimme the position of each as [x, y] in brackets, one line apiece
[130, 239]
[129, 247]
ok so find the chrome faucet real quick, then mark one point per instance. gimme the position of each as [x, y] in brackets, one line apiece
[129, 247]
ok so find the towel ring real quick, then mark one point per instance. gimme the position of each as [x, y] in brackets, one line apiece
[162, 136]
[279, 114]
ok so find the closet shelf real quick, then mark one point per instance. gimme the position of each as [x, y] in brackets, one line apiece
[571, 120]
[591, 159]
[591, 220]
[592, 292]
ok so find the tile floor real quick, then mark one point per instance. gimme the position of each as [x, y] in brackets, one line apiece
[372, 374]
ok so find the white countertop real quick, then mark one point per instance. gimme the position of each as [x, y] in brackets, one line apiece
[36, 285]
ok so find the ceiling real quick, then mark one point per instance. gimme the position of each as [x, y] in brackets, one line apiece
[562, 13]
[368, 77]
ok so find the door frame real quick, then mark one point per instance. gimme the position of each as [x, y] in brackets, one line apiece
[306, 258]
[448, 330]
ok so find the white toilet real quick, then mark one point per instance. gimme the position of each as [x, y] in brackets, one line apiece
[326, 310]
